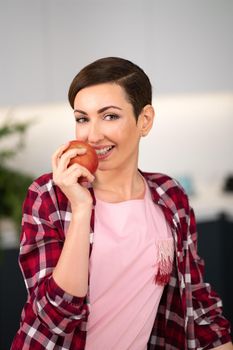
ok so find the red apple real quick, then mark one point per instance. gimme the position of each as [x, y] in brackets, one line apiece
[89, 159]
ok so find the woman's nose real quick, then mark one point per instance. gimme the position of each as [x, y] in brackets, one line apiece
[95, 135]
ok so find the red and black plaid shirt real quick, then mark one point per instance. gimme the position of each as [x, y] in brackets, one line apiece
[189, 315]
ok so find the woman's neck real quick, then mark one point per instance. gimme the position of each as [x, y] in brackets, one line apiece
[119, 186]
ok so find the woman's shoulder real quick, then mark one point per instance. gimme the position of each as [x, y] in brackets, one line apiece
[42, 183]
[167, 188]
[156, 176]
[162, 180]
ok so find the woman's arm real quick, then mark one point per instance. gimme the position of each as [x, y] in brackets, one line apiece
[71, 271]
[49, 307]
[59, 303]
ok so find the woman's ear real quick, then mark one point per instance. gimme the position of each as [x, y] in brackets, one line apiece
[146, 119]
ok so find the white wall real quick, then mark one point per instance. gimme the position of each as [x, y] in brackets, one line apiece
[184, 46]
[192, 136]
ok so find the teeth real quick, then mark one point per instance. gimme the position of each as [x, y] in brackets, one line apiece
[103, 150]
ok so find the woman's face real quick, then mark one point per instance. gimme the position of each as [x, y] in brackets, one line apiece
[105, 119]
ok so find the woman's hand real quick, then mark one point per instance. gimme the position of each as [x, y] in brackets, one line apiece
[67, 177]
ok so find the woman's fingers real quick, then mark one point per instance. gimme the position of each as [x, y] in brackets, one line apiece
[70, 175]
[65, 158]
[76, 171]
[62, 157]
[70, 178]
[57, 154]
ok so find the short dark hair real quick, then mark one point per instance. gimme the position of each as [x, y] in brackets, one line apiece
[116, 70]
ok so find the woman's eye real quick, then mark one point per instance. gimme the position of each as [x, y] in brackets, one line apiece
[111, 116]
[80, 120]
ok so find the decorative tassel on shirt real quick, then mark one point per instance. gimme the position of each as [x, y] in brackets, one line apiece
[165, 260]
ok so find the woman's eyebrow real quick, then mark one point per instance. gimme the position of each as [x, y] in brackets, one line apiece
[101, 110]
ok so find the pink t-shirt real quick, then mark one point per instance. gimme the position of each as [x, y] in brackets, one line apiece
[123, 294]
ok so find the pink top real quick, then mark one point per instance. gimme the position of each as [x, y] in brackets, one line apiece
[123, 294]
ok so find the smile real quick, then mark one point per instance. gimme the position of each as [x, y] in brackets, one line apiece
[104, 152]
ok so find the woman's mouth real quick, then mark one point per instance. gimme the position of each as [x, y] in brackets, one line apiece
[104, 152]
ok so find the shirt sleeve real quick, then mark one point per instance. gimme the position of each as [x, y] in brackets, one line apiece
[40, 247]
[211, 329]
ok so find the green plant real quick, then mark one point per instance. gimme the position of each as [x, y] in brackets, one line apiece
[13, 183]
[13, 187]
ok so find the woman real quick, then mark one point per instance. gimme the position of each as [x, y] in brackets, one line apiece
[113, 264]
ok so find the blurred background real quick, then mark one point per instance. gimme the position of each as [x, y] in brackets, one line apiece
[186, 48]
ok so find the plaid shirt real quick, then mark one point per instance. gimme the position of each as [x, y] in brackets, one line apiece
[189, 315]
